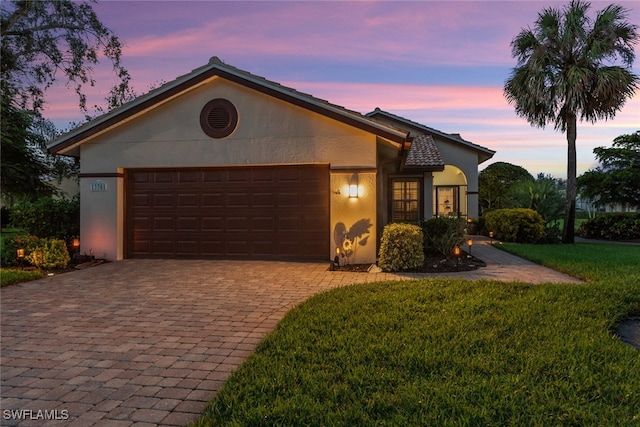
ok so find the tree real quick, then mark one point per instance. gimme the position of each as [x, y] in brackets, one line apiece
[42, 39]
[544, 195]
[40, 42]
[22, 166]
[494, 182]
[567, 69]
[615, 180]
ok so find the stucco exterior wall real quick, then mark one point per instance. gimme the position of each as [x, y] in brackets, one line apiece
[102, 217]
[269, 132]
[353, 219]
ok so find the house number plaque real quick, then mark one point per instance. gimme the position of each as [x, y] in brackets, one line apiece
[99, 185]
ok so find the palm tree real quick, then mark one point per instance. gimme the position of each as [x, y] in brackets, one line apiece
[567, 69]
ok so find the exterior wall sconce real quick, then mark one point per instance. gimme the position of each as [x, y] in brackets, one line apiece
[353, 186]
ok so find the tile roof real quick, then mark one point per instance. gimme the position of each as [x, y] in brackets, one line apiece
[424, 154]
[419, 127]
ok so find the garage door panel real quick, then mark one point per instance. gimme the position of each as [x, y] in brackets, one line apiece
[162, 177]
[263, 224]
[234, 212]
[212, 248]
[188, 224]
[213, 176]
[291, 174]
[163, 247]
[187, 247]
[236, 224]
[263, 176]
[141, 246]
[142, 223]
[141, 200]
[212, 224]
[163, 200]
[288, 200]
[238, 176]
[237, 248]
[163, 224]
[213, 200]
[263, 200]
[237, 200]
[311, 199]
[188, 200]
[188, 176]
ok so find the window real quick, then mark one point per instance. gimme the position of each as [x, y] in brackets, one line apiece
[447, 201]
[405, 200]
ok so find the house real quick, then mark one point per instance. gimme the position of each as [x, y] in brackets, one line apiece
[221, 163]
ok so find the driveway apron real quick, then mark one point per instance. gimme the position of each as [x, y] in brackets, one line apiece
[149, 342]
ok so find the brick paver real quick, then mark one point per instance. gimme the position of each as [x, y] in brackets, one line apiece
[148, 342]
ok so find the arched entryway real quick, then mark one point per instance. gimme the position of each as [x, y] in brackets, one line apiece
[450, 193]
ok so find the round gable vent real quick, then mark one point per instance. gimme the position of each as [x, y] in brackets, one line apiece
[218, 118]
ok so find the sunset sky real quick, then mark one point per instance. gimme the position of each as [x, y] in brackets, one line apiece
[439, 63]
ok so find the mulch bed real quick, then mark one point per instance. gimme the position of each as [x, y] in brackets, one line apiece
[434, 262]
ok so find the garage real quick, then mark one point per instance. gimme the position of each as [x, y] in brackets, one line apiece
[257, 212]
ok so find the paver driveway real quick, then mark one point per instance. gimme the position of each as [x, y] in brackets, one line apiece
[148, 342]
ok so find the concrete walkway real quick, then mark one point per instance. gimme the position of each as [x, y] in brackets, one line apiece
[149, 342]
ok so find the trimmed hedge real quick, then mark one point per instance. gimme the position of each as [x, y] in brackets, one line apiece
[612, 226]
[401, 247]
[519, 225]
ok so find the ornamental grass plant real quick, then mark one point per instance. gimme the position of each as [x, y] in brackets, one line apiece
[452, 352]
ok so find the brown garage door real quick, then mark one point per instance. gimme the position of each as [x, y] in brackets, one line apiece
[264, 212]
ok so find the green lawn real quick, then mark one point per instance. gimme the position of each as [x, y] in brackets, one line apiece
[11, 276]
[448, 352]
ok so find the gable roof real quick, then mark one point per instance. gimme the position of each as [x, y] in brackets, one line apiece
[65, 144]
[483, 152]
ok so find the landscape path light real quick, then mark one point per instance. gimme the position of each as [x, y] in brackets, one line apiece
[20, 256]
[470, 243]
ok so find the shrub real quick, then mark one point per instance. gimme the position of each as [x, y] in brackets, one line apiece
[49, 253]
[443, 234]
[12, 244]
[401, 247]
[47, 217]
[516, 225]
[614, 226]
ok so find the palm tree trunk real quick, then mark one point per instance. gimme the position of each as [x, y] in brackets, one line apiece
[570, 202]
